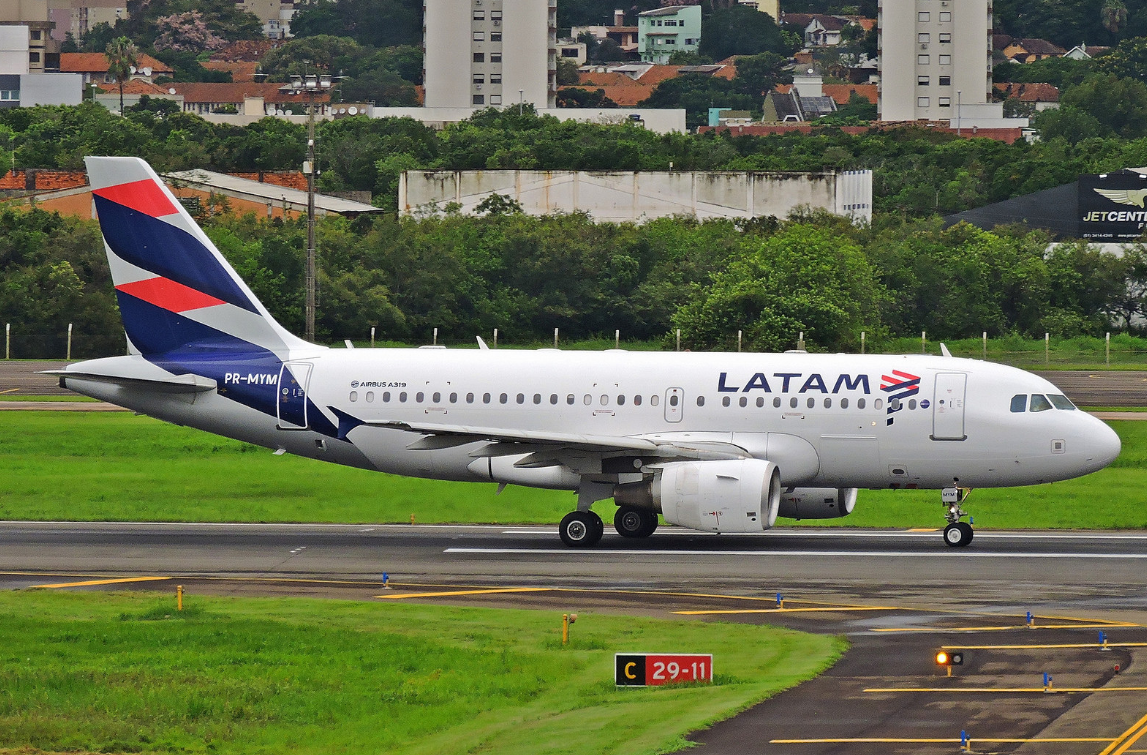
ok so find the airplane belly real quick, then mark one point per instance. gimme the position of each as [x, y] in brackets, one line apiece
[388, 451]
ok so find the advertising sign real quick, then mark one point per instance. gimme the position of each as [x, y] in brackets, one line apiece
[653, 670]
[1111, 206]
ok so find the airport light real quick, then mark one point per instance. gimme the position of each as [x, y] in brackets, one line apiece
[948, 659]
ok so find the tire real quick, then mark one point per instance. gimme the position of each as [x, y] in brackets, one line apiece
[581, 529]
[630, 522]
[958, 535]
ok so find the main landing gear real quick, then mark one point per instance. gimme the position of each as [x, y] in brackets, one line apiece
[634, 522]
[957, 534]
[581, 529]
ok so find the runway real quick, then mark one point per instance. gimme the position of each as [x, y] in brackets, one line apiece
[897, 595]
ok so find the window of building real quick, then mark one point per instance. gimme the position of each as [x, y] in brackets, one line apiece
[479, 36]
[495, 36]
[922, 60]
[923, 37]
[495, 57]
[569, 52]
[945, 60]
[945, 102]
[479, 79]
[923, 15]
[945, 16]
[495, 99]
[479, 57]
[922, 102]
[9, 94]
[479, 99]
[495, 78]
[945, 81]
[922, 81]
[671, 41]
[34, 57]
[36, 35]
[945, 38]
[479, 15]
[495, 14]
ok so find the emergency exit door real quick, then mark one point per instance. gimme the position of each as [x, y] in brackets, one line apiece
[948, 406]
[292, 403]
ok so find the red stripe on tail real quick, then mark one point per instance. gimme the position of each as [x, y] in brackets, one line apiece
[142, 196]
[172, 296]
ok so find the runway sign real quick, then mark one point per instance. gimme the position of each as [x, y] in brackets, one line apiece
[649, 670]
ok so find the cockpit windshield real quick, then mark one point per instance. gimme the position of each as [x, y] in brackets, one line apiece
[1059, 401]
[1040, 402]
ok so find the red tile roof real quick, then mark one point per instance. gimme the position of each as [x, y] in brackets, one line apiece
[234, 93]
[97, 62]
[628, 92]
[1029, 92]
[135, 86]
[1039, 46]
[241, 70]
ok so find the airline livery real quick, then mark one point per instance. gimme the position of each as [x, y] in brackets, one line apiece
[710, 441]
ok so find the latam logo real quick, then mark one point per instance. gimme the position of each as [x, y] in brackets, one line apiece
[899, 386]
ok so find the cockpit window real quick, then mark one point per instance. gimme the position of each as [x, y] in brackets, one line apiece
[1040, 403]
[1059, 401]
[1019, 402]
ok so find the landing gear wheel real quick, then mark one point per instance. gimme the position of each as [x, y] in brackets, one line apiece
[581, 529]
[634, 522]
[958, 534]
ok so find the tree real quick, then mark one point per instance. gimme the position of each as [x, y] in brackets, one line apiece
[741, 30]
[757, 75]
[186, 32]
[567, 72]
[1120, 105]
[122, 55]
[1114, 15]
[1127, 60]
[376, 23]
[578, 97]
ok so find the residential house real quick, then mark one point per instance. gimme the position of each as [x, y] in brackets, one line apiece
[93, 66]
[628, 85]
[805, 100]
[624, 36]
[1031, 50]
[664, 31]
[1041, 96]
[247, 98]
[1083, 52]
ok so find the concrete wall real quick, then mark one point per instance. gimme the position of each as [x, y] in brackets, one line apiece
[51, 89]
[448, 53]
[631, 196]
[14, 49]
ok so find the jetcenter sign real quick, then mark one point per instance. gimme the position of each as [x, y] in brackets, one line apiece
[1113, 206]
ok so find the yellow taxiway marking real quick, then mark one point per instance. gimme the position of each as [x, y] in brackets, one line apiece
[1124, 741]
[1008, 690]
[841, 609]
[880, 740]
[10, 390]
[455, 593]
[93, 582]
[1091, 645]
[1000, 629]
[923, 529]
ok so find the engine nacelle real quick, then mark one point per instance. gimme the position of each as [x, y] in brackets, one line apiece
[817, 503]
[740, 495]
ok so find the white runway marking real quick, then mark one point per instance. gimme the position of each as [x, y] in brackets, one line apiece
[948, 553]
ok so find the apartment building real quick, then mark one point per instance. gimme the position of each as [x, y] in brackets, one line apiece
[935, 60]
[664, 31]
[77, 17]
[43, 51]
[483, 53]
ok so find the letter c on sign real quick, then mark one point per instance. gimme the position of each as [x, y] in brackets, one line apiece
[629, 670]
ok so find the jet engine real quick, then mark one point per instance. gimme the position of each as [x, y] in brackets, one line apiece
[817, 503]
[740, 495]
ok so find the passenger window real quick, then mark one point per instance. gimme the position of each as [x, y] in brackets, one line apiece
[1019, 402]
[860, 403]
[453, 398]
[521, 398]
[503, 398]
[621, 400]
[743, 402]
[437, 398]
[844, 403]
[1040, 403]
[793, 402]
[386, 397]
[370, 397]
[554, 398]
[587, 400]
[604, 400]
[811, 402]
[402, 397]
[654, 400]
[1059, 401]
[419, 397]
[354, 395]
[570, 399]
[878, 403]
[777, 402]
[637, 400]
[700, 401]
[725, 401]
[674, 400]
[537, 398]
[828, 403]
[485, 398]
[911, 404]
[469, 398]
[894, 404]
[760, 401]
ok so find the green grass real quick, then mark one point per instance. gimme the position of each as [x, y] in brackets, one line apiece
[119, 467]
[126, 673]
[70, 397]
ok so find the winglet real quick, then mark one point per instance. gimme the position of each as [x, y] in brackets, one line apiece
[482, 344]
[944, 350]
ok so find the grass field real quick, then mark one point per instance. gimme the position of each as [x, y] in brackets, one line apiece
[126, 673]
[119, 467]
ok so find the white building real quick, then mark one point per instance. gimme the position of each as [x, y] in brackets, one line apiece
[482, 53]
[935, 59]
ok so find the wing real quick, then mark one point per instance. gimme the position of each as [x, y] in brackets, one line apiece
[1119, 196]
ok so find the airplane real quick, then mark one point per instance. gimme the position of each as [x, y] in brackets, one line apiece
[717, 442]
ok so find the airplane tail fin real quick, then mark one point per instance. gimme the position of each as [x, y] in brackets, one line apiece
[177, 294]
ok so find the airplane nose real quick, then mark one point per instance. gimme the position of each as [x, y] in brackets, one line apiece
[1104, 444]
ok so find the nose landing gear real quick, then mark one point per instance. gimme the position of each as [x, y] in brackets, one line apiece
[957, 534]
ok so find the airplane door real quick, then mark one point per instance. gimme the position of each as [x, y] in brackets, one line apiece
[292, 404]
[674, 403]
[948, 406]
